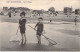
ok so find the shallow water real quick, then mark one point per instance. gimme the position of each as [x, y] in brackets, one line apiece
[67, 35]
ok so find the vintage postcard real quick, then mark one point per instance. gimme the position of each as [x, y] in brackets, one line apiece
[40, 25]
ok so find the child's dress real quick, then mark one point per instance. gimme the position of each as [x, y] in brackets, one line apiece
[22, 25]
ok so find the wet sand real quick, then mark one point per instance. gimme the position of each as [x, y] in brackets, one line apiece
[66, 35]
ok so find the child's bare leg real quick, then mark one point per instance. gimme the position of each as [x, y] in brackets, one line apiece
[25, 37]
[22, 38]
[39, 39]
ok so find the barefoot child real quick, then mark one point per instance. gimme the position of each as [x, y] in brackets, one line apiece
[22, 24]
[40, 27]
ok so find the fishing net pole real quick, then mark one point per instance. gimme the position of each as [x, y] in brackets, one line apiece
[51, 42]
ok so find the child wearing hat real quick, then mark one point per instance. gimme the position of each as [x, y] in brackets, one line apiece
[40, 27]
[22, 24]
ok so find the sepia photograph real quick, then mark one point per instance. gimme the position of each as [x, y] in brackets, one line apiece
[39, 25]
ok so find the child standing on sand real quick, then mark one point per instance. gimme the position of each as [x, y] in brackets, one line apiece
[40, 28]
[75, 20]
[22, 24]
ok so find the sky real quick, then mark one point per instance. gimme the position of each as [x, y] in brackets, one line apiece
[41, 4]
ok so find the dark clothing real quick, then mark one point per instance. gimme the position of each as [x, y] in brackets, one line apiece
[39, 28]
[50, 20]
[22, 25]
[9, 14]
[75, 20]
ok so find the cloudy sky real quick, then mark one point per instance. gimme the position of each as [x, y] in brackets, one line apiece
[41, 4]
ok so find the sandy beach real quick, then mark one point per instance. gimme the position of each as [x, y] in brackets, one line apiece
[68, 38]
[63, 31]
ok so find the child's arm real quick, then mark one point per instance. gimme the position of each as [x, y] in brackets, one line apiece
[19, 23]
[36, 25]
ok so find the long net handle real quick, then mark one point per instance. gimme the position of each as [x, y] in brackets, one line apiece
[38, 32]
[44, 36]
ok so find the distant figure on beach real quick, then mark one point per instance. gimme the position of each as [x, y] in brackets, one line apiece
[75, 20]
[22, 24]
[9, 13]
[40, 28]
[14, 13]
[50, 20]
